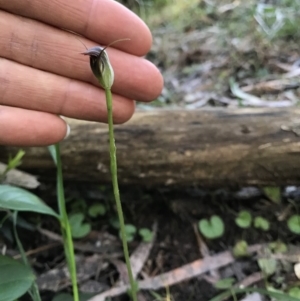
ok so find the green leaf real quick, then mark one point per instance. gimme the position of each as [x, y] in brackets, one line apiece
[78, 228]
[273, 193]
[294, 292]
[261, 223]
[146, 234]
[211, 228]
[16, 160]
[225, 283]
[96, 210]
[18, 199]
[240, 249]
[130, 231]
[278, 247]
[78, 205]
[33, 290]
[52, 151]
[15, 279]
[294, 224]
[114, 222]
[244, 219]
[267, 265]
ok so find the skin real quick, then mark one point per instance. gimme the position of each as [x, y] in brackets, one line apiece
[43, 74]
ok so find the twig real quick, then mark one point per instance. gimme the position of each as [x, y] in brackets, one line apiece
[178, 275]
[38, 250]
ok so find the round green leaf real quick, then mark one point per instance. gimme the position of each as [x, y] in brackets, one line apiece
[294, 292]
[15, 198]
[15, 279]
[211, 228]
[267, 265]
[261, 223]
[225, 283]
[114, 222]
[130, 231]
[278, 247]
[78, 228]
[240, 249]
[96, 210]
[294, 224]
[146, 234]
[244, 219]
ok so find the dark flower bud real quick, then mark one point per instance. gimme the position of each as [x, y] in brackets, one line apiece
[101, 66]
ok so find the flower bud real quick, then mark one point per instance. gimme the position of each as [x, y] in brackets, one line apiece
[101, 66]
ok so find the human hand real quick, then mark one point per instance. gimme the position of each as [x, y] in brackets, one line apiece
[43, 75]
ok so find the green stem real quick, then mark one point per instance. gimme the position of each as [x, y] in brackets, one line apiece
[113, 169]
[34, 290]
[65, 225]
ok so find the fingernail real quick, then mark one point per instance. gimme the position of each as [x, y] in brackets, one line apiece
[68, 132]
[68, 127]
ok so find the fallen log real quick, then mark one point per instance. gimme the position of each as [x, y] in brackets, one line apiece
[211, 147]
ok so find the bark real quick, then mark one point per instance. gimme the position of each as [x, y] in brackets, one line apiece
[211, 147]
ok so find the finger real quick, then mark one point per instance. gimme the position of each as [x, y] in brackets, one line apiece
[32, 89]
[50, 49]
[19, 127]
[102, 21]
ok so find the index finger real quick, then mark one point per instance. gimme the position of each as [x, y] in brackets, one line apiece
[102, 21]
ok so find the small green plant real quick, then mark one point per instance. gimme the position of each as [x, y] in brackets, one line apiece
[16, 160]
[15, 278]
[267, 265]
[240, 249]
[96, 210]
[294, 223]
[273, 193]
[227, 283]
[261, 223]
[212, 228]
[294, 292]
[146, 234]
[278, 247]
[79, 228]
[12, 163]
[244, 219]
[17, 199]
[130, 231]
[114, 222]
[77, 205]
[103, 71]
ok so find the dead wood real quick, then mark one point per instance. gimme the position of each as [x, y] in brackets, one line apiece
[211, 147]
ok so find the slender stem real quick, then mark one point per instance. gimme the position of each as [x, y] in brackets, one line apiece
[34, 290]
[65, 225]
[113, 169]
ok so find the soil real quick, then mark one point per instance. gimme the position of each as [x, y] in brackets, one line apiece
[176, 241]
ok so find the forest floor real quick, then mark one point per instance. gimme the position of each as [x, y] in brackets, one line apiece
[211, 53]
